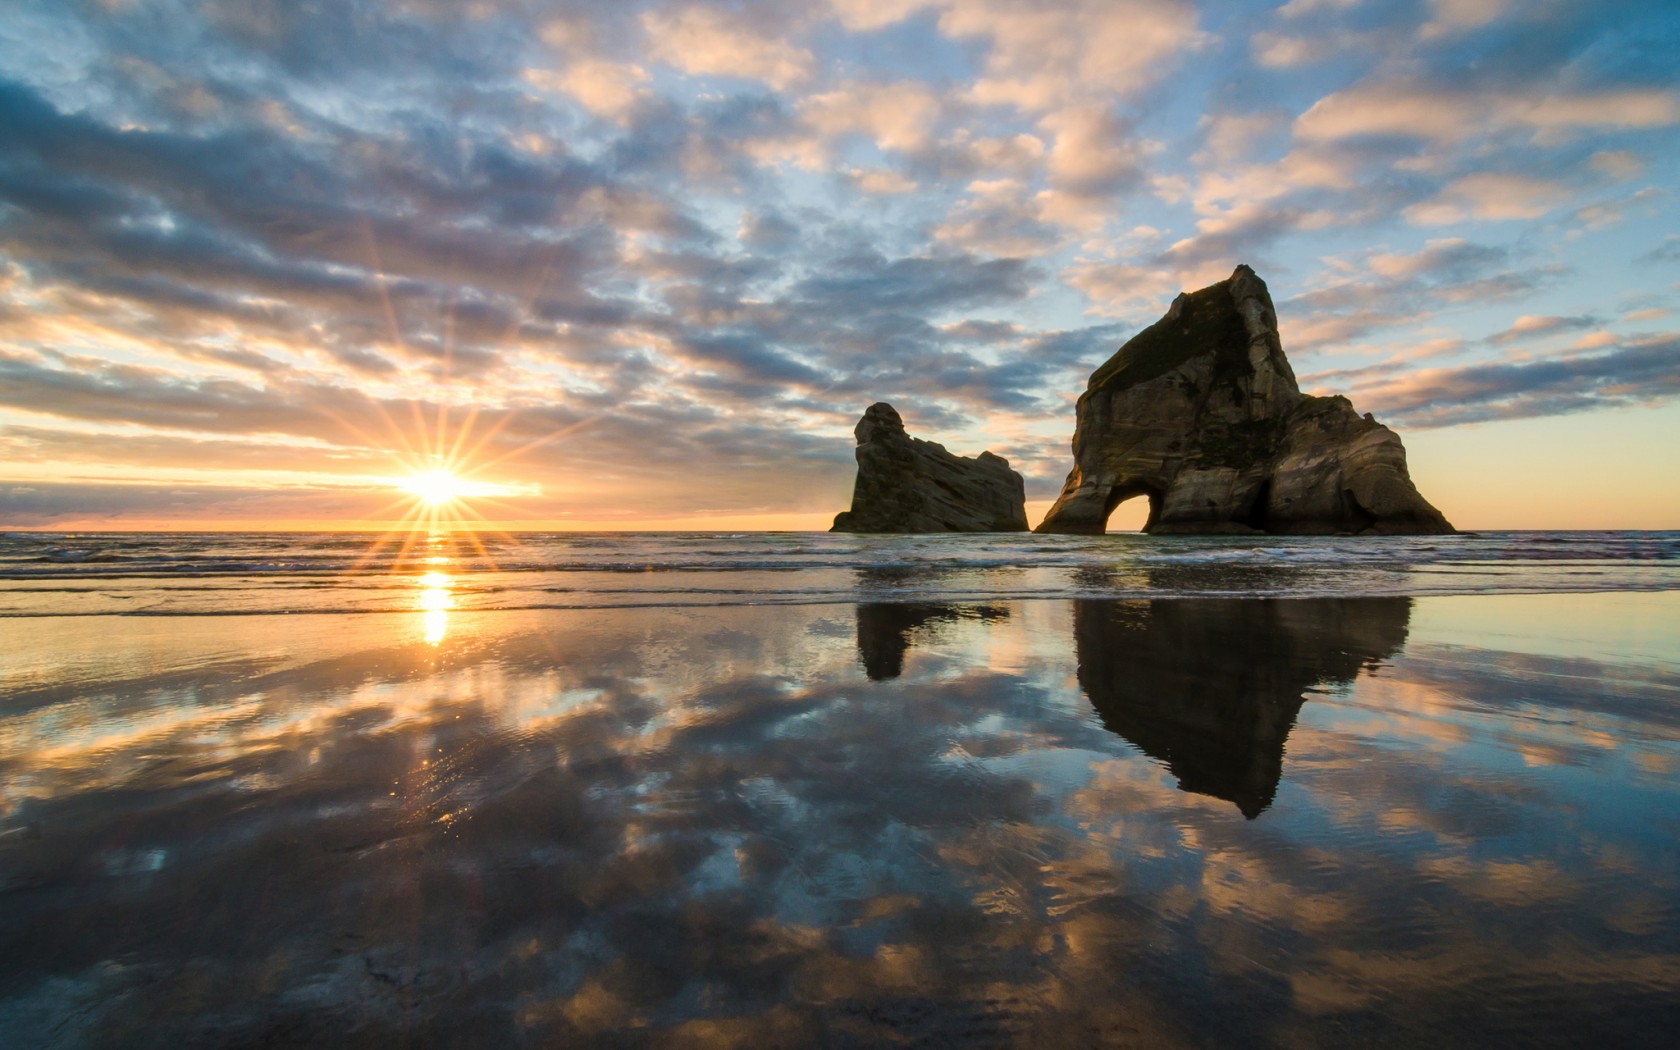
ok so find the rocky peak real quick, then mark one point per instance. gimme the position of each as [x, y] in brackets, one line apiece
[880, 420]
[1234, 324]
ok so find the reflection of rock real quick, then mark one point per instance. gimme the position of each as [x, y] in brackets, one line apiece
[1211, 686]
[1200, 412]
[905, 484]
[883, 630]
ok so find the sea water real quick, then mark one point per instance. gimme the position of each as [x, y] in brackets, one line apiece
[202, 574]
[792, 790]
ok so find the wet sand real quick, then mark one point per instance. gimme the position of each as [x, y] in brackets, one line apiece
[1180, 822]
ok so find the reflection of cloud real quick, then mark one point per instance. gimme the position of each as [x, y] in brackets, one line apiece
[577, 820]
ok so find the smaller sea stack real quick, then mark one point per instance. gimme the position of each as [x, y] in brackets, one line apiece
[905, 484]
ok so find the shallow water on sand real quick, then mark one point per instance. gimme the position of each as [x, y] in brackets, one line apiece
[1064, 822]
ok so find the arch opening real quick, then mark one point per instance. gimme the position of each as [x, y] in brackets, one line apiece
[1357, 516]
[1259, 510]
[1120, 494]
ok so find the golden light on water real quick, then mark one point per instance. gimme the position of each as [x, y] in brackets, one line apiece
[435, 602]
[444, 484]
[435, 581]
[440, 498]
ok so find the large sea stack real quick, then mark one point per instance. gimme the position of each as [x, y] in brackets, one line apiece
[1201, 413]
[905, 484]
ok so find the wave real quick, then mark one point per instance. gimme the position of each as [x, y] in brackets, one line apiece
[200, 573]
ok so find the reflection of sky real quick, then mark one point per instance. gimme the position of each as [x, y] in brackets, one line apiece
[561, 825]
[1628, 627]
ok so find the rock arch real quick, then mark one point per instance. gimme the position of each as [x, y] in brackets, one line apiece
[1202, 410]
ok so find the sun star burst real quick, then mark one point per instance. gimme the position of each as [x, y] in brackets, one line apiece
[436, 487]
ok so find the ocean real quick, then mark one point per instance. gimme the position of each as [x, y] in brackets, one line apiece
[836, 790]
[249, 573]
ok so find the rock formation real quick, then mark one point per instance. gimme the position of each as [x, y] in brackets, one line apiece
[1212, 686]
[1200, 412]
[905, 484]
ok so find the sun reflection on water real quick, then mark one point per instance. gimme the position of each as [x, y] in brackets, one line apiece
[435, 601]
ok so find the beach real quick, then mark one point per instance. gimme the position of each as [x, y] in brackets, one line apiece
[847, 791]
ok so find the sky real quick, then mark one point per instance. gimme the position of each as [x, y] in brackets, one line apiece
[629, 265]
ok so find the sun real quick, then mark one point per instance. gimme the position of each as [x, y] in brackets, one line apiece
[436, 487]
[443, 494]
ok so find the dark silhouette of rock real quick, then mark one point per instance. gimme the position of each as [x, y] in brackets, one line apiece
[1201, 413]
[1211, 686]
[884, 630]
[905, 484]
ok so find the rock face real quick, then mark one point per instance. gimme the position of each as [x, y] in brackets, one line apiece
[905, 484]
[1201, 413]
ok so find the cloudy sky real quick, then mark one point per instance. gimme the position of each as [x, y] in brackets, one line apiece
[640, 264]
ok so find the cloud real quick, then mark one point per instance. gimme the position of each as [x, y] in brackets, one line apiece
[91, 500]
[1533, 326]
[882, 181]
[866, 15]
[1382, 289]
[1071, 52]
[998, 218]
[1619, 164]
[1275, 50]
[1458, 16]
[767, 231]
[924, 284]
[1641, 372]
[895, 116]
[988, 158]
[1452, 258]
[1241, 210]
[720, 223]
[1452, 115]
[1667, 251]
[711, 41]
[1230, 137]
[1298, 8]
[1138, 292]
[1093, 153]
[1488, 197]
[606, 89]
